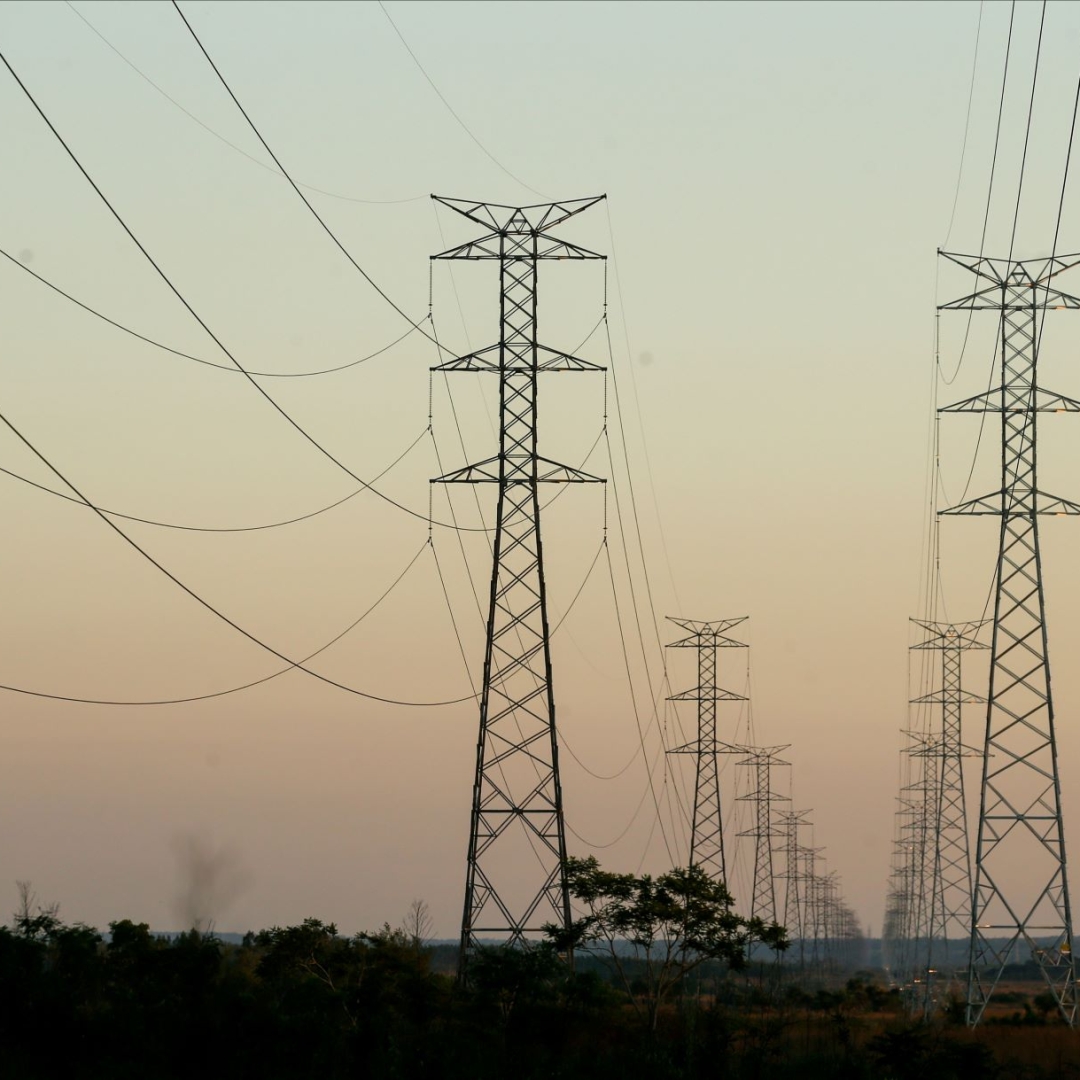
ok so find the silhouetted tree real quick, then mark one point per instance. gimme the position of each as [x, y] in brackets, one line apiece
[670, 925]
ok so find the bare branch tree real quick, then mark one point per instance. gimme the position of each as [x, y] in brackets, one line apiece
[32, 918]
[417, 923]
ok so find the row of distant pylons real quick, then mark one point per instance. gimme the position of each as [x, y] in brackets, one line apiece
[515, 881]
[961, 917]
[789, 884]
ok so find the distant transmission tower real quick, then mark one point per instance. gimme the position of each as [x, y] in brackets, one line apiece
[707, 829]
[761, 760]
[949, 914]
[510, 890]
[898, 928]
[925, 754]
[1021, 894]
[788, 822]
[822, 890]
[813, 914]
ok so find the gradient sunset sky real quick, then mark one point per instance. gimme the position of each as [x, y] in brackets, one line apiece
[778, 175]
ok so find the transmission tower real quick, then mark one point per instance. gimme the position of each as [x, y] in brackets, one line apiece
[707, 829]
[821, 888]
[788, 822]
[924, 755]
[851, 951]
[949, 914]
[1021, 894]
[763, 894]
[813, 915]
[843, 937]
[897, 924]
[510, 890]
[907, 920]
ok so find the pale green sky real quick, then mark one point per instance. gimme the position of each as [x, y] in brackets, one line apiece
[779, 176]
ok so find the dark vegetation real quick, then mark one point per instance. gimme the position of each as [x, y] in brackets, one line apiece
[303, 1001]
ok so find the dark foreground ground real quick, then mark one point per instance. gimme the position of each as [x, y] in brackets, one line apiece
[302, 1002]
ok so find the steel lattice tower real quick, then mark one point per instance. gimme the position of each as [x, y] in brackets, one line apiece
[949, 915]
[813, 914]
[517, 794]
[763, 894]
[1021, 895]
[707, 829]
[917, 833]
[900, 907]
[789, 822]
[821, 889]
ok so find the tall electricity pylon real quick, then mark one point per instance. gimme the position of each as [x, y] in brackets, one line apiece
[510, 891]
[1021, 893]
[707, 829]
[949, 903]
[761, 759]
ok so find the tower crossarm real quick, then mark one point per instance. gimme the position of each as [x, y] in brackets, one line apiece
[990, 401]
[1028, 272]
[487, 360]
[946, 635]
[948, 697]
[547, 472]
[707, 628]
[708, 694]
[507, 245]
[500, 217]
[1003, 501]
[989, 300]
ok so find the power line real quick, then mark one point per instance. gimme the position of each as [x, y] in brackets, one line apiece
[681, 795]
[311, 656]
[562, 734]
[1061, 200]
[1027, 132]
[1012, 240]
[595, 775]
[989, 193]
[633, 816]
[641, 547]
[982, 240]
[206, 603]
[288, 176]
[453, 112]
[997, 134]
[580, 589]
[176, 292]
[234, 689]
[221, 138]
[231, 368]
[633, 701]
[997, 137]
[637, 406]
[967, 126]
[211, 529]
